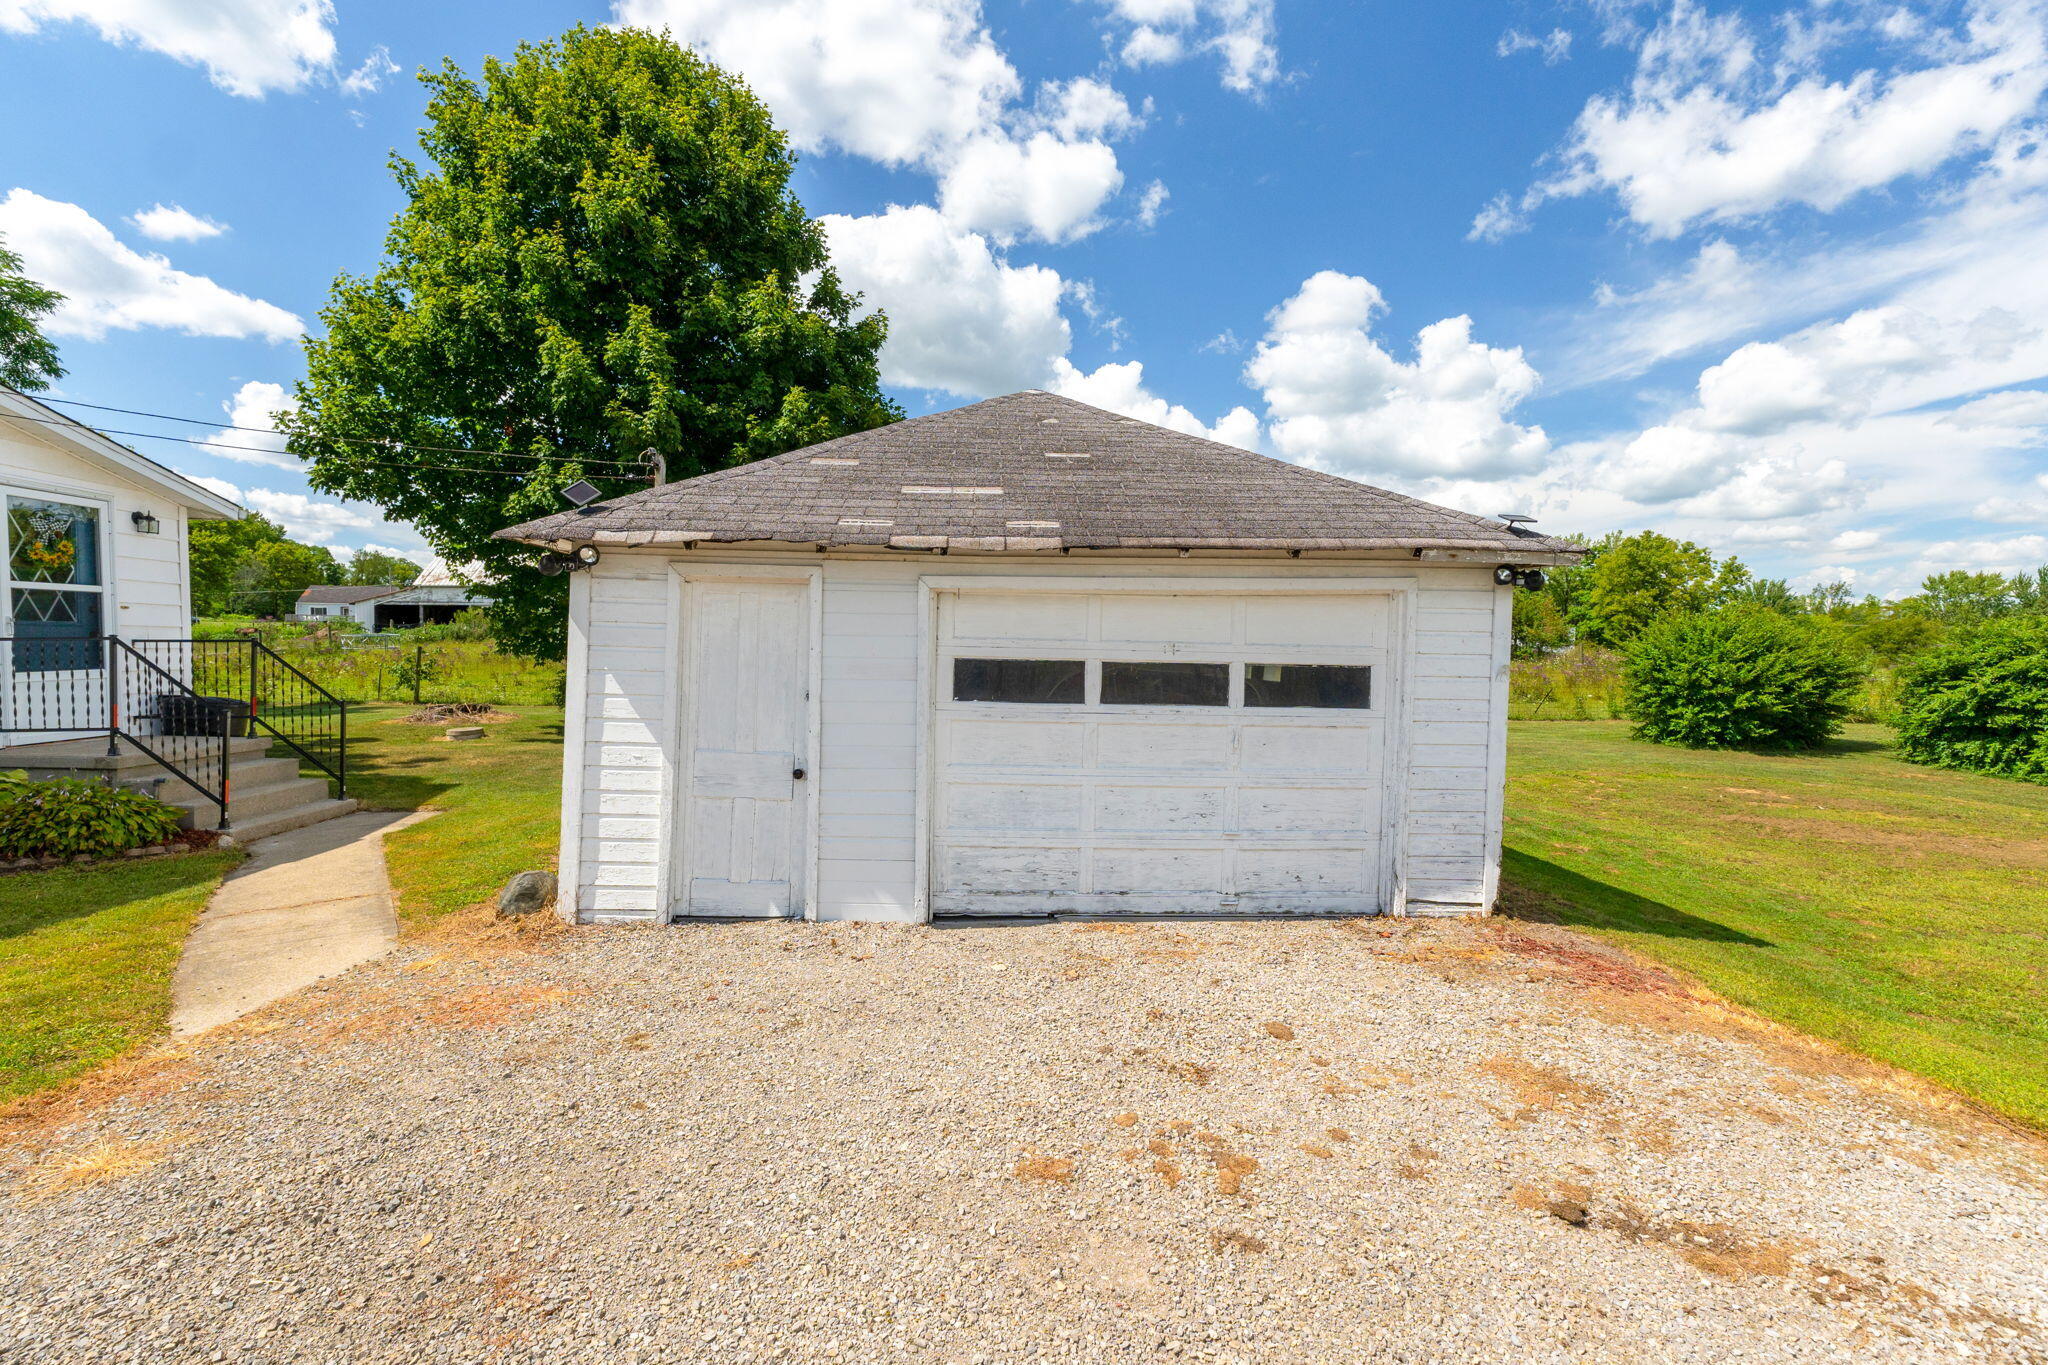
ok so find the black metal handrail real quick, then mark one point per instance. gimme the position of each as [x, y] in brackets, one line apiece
[185, 735]
[280, 700]
[178, 702]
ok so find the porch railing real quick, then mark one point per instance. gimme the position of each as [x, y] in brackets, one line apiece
[178, 702]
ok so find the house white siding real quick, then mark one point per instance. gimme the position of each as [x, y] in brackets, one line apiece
[870, 788]
[147, 594]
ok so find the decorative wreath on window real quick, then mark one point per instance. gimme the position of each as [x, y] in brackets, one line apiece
[52, 547]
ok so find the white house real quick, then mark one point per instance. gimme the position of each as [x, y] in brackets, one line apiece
[94, 543]
[1029, 657]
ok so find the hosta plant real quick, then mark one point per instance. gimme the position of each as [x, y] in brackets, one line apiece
[72, 816]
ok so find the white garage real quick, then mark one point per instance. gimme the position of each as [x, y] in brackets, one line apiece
[1030, 658]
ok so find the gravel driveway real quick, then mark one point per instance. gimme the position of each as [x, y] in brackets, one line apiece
[1317, 1142]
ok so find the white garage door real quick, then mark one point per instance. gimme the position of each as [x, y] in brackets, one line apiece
[1144, 752]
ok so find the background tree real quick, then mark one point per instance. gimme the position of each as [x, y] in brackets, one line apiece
[604, 256]
[269, 580]
[372, 568]
[218, 549]
[28, 360]
[1632, 581]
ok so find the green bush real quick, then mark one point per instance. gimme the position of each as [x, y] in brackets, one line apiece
[71, 816]
[1738, 678]
[1980, 701]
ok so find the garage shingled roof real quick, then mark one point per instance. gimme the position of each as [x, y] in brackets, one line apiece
[1029, 471]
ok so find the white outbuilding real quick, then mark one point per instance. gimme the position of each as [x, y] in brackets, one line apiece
[1028, 657]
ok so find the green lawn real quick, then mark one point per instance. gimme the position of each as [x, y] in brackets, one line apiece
[1897, 910]
[499, 797]
[86, 955]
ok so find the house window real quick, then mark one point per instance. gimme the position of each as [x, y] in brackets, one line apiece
[1165, 684]
[1039, 681]
[1346, 686]
[54, 585]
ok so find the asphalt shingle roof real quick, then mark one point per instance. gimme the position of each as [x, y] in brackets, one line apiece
[1029, 471]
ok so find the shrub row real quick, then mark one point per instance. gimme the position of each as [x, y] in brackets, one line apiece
[1748, 678]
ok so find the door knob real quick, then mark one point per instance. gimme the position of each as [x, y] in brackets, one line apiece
[797, 774]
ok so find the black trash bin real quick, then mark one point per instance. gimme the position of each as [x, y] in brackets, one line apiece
[180, 714]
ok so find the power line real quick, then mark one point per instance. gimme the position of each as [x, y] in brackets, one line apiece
[387, 442]
[383, 464]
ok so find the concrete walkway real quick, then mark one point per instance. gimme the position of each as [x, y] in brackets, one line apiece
[309, 903]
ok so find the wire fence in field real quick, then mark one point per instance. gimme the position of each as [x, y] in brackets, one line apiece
[440, 671]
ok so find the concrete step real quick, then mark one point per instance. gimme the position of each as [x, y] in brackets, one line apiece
[85, 757]
[294, 817]
[249, 803]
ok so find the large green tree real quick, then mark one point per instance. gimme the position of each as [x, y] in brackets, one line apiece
[604, 257]
[374, 568]
[28, 360]
[1628, 582]
[218, 549]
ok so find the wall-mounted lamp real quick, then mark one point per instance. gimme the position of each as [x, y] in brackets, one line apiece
[145, 522]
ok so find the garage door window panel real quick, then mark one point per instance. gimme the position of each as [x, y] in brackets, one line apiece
[1164, 684]
[1319, 686]
[1029, 682]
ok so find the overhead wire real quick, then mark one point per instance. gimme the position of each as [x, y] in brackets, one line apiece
[387, 464]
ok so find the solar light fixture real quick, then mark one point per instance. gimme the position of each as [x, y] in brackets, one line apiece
[1529, 580]
[1517, 519]
[552, 564]
[582, 492]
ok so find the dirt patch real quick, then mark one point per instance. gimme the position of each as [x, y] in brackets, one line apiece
[1230, 1239]
[1056, 1170]
[454, 713]
[1542, 1087]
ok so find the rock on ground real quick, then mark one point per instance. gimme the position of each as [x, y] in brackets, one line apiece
[736, 1143]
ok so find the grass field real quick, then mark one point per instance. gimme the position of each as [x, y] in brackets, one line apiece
[499, 796]
[86, 955]
[1897, 910]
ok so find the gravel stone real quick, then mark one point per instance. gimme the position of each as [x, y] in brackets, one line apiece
[790, 1142]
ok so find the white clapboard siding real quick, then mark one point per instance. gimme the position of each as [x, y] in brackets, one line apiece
[1451, 723]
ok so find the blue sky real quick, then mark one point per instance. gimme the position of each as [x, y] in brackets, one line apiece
[1771, 277]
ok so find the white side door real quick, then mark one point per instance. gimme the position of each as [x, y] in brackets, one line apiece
[746, 706]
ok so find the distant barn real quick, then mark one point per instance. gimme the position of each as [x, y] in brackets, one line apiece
[433, 598]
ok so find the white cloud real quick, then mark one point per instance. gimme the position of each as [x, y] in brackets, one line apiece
[1240, 33]
[2025, 508]
[248, 47]
[1709, 131]
[961, 318]
[368, 78]
[1152, 203]
[170, 223]
[896, 81]
[1555, 45]
[2015, 409]
[919, 83]
[1042, 185]
[1336, 398]
[313, 520]
[1085, 107]
[418, 554]
[1836, 372]
[109, 286]
[220, 486]
[1121, 388]
[2014, 554]
[1854, 540]
[255, 404]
